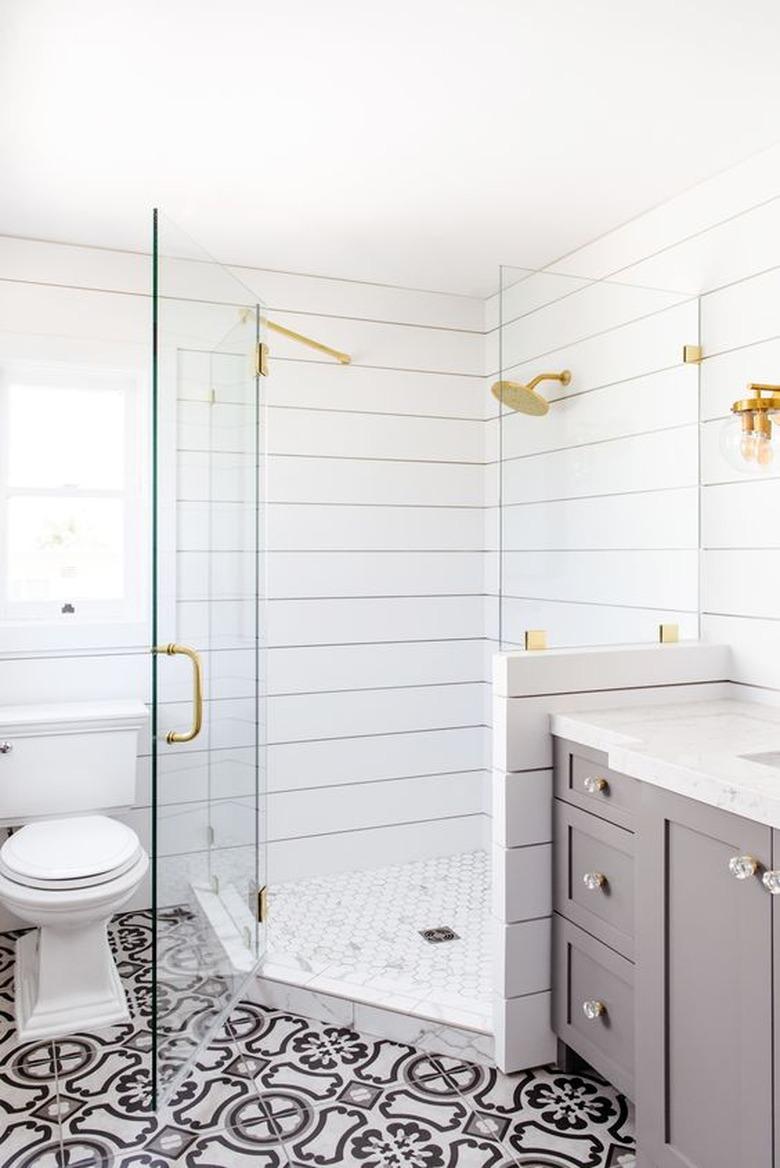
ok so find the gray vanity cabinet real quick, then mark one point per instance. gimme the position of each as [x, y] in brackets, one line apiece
[593, 922]
[666, 962]
[703, 979]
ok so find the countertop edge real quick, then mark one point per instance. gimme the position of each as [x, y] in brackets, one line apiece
[626, 755]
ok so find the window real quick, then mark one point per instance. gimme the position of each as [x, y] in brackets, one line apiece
[72, 500]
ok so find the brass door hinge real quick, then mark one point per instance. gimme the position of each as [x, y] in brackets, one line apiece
[261, 363]
[262, 905]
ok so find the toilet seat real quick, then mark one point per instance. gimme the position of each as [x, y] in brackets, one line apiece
[63, 854]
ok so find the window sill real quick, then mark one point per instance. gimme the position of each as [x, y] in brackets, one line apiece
[22, 639]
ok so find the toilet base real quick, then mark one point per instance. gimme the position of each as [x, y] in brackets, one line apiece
[66, 980]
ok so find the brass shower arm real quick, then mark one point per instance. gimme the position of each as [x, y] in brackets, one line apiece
[564, 378]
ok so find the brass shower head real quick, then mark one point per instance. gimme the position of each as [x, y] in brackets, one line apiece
[524, 398]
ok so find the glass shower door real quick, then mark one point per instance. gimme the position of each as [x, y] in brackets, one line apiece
[209, 757]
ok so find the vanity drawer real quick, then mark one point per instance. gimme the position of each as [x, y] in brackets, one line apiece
[585, 971]
[582, 778]
[586, 846]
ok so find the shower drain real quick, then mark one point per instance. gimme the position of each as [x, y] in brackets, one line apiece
[442, 933]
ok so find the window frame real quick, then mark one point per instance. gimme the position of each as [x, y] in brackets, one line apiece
[34, 625]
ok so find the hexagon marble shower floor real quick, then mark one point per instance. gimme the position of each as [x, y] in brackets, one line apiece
[358, 934]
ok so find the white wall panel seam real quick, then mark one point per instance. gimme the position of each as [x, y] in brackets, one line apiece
[593, 442]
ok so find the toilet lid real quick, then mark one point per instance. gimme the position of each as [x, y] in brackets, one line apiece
[68, 853]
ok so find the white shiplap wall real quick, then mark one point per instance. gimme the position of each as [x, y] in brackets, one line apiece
[740, 529]
[378, 706]
[378, 696]
[599, 498]
[720, 241]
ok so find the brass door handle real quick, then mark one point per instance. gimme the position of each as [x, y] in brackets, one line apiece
[171, 650]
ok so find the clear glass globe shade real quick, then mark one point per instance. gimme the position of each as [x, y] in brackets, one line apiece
[746, 453]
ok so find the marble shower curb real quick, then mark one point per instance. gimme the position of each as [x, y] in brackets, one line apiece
[428, 1034]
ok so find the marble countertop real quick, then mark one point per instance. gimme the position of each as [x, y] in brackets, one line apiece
[696, 749]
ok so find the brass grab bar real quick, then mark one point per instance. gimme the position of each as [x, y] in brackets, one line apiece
[171, 650]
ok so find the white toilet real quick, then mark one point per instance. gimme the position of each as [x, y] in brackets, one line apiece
[68, 870]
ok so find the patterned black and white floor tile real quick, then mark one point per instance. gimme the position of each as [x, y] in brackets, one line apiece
[275, 1090]
[337, 1097]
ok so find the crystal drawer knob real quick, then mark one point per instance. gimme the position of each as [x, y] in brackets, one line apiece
[6, 747]
[595, 785]
[771, 881]
[743, 867]
[594, 880]
[593, 1010]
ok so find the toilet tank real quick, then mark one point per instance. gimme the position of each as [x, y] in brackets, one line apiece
[68, 758]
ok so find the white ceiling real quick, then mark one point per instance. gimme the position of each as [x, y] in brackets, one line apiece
[411, 142]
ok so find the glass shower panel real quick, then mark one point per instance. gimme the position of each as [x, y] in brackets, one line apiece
[596, 498]
[209, 760]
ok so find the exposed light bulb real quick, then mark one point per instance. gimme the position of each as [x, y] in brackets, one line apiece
[746, 442]
[763, 450]
[746, 438]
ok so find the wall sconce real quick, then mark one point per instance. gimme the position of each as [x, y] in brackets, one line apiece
[746, 438]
